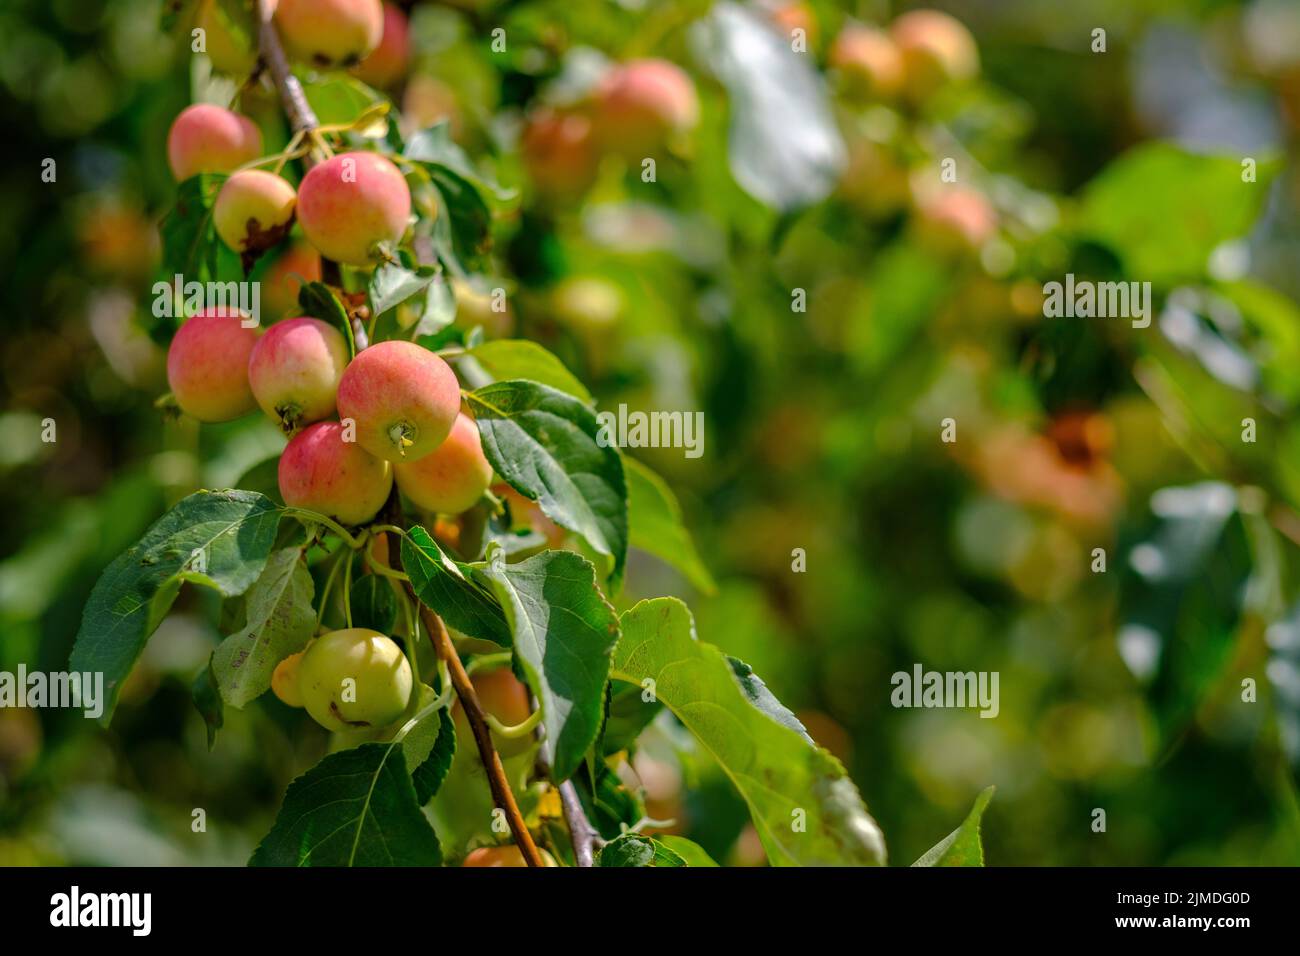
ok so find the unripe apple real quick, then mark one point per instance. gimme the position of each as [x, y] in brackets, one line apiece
[386, 64]
[642, 103]
[207, 366]
[354, 678]
[559, 152]
[352, 201]
[284, 680]
[210, 139]
[253, 211]
[294, 371]
[936, 50]
[452, 477]
[868, 62]
[322, 470]
[231, 46]
[508, 855]
[285, 276]
[327, 33]
[403, 398]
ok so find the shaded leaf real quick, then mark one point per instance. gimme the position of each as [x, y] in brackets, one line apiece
[634, 849]
[207, 700]
[278, 621]
[356, 807]
[226, 534]
[655, 525]
[318, 301]
[374, 605]
[564, 631]
[546, 445]
[432, 771]
[450, 589]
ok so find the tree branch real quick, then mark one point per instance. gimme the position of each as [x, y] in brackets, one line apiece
[583, 835]
[502, 796]
[299, 112]
[501, 793]
[302, 118]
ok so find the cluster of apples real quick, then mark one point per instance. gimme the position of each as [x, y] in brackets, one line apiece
[635, 110]
[906, 64]
[390, 414]
[346, 205]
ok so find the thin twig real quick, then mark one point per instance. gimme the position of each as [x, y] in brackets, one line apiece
[496, 774]
[583, 835]
[302, 118]
[502, 795]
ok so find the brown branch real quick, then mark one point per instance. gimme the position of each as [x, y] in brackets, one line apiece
[302, 119]
[501, 793]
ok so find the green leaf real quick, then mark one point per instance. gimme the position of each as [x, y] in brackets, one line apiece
[189, 239]
[435, 146]
[464, 217]
[374, 605]
[437, 311]
[626, 716]
[228, 534]
[278, 621]
[1138, 205]
[655, 525]
[564, 632]
[433, 770]
[634, 849]
[207, 700]
[545, 444]
[339, 98]
[392, 284]
[609, 805]
[355, 808]
[688, 851]
[961, 847]
[504, 359]
[805, 808]
[318, 300]
[451, 590]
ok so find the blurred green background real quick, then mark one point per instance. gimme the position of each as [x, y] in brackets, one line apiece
[1120, 690]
